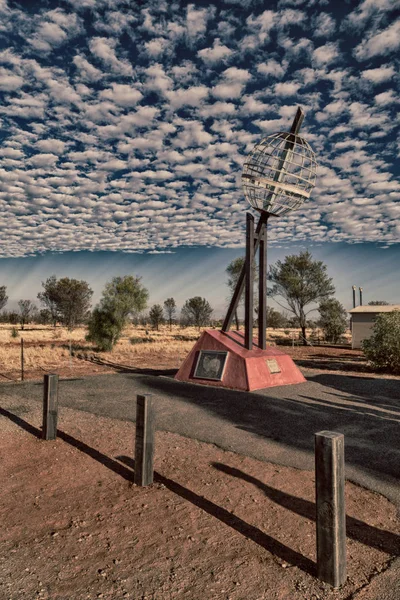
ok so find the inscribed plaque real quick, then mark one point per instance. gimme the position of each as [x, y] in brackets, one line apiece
[272, 365]
[210, 365]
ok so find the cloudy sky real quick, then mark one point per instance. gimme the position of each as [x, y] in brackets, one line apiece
[124, 126]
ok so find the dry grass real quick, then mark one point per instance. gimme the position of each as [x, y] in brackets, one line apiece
[47, 349]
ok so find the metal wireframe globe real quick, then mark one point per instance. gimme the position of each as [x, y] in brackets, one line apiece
[279, 173]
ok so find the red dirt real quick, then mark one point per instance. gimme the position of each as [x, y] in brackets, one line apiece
[214, 526]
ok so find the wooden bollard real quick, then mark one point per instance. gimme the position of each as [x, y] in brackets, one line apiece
[144, 445]
[50, 407]
[22, 360]
[330, 507]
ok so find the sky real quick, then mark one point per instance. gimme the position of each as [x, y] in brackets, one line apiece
[124, 127]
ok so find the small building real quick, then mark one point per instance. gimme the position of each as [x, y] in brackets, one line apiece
[363, 318]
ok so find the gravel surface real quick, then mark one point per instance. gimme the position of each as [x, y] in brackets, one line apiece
[277, 424]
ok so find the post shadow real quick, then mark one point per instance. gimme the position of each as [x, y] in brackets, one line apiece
[357, 530]
[127, 472]
[249, 531]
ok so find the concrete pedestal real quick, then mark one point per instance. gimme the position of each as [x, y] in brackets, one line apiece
[246, 370]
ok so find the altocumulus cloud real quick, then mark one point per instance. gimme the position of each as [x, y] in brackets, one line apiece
[125, 125]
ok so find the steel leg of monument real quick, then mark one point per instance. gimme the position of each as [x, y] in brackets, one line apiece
[262, 289]
[249, 299]
[241, 280]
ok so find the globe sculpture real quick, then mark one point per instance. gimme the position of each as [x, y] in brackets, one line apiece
[278, 176]
[279, 173]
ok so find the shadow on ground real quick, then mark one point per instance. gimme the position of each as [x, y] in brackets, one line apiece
[369, 417]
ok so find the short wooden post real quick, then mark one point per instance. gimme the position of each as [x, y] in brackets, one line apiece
[330, 507]
[22, 360]
[50, 407]
[144, 445]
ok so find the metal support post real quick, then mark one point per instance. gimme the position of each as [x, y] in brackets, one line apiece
[249, 298]
[262, 289]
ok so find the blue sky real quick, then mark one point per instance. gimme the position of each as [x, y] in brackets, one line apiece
[124, 127]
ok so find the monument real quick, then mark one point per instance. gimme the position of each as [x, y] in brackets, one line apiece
[278, 176]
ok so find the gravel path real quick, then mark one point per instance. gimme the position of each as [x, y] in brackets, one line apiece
[277, 424]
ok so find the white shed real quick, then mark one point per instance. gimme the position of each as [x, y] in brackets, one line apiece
[362, 318]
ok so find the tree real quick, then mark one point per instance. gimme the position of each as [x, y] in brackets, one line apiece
[170, 310]
[333, 319]
[196, 311]
[49, 298]
[383, 347]
[378, 303]
[275, 319]
[3, 296]
[122, 297]
[300, 281]
[25, 310]
[156, 316]
[73, 299]
[125, 296]
[233, 270]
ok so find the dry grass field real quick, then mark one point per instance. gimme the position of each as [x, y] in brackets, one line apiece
[47, 349]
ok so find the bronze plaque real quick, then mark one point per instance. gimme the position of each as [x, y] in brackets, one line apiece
[210, 365]
[272, 365]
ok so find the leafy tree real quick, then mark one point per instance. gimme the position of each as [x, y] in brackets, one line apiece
[170, 310]
[122, 297]
[196, 311]
[378, 303]
[125, 296]
[49, 298]
[333, 319]
[73, 301]
[44, 317]
[383, 347]
[300, 281]
[275, 319]
[25, 310]
[3, 296]
[156, 316]
[104, 328]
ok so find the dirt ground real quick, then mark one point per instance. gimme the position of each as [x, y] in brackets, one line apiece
[213, 526]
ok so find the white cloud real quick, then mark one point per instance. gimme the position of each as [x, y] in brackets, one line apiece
[43, 160]
[9, 81]
[273, 67]
[104, 49]
[380, 43]
[192, 96]
[289, 88]
[386, 98]
[51, 146]
[122, 95]
[216, 54]
[325, 25]
[156, 47]
[236, 75]
[326, 54]
[379, 74]
[87, 71]
[196, 22]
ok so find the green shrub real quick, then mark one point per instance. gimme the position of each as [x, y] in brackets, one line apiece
[14, 332]
[104, 329]
[382, 349]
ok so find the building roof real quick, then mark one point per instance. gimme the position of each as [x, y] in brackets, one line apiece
[376, 308]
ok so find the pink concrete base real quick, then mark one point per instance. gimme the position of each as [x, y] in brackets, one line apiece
[244, 369]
